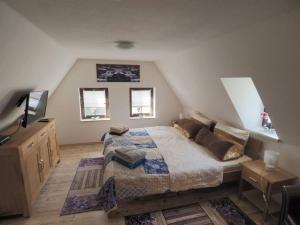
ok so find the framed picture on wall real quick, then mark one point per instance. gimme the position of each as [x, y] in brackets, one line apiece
[118, 73]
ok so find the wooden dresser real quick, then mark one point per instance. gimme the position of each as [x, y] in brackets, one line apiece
[26, 161]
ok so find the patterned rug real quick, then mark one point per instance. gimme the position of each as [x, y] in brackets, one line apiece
[215, 212]
[84, 188]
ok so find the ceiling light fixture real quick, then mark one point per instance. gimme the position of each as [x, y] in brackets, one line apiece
[125, 44]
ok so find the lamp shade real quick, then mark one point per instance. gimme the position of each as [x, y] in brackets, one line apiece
[271, 159]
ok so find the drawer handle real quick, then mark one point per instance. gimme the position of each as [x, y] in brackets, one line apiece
[40, 166]
[30, 145]
[252, 179]
[42, 135]
[42, 163]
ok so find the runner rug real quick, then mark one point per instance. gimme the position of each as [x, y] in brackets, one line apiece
[214, 212]
[84, 188]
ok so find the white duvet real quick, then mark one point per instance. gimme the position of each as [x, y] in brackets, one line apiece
[189, 168]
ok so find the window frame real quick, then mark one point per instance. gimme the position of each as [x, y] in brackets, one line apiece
[230, 85]
[152, 105]
[83, 117]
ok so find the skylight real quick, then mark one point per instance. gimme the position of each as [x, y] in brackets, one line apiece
[249, 106]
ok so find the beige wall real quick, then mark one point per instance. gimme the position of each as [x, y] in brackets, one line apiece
[64, 103]
[269, 52]
[29, 59]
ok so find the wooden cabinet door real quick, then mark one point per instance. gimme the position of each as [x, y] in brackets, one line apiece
[33, 173]
[53, 146]
[45, 158]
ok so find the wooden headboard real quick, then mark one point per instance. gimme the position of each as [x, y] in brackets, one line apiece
[254, 148]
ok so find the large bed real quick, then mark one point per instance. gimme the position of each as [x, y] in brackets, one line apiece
[174, 164]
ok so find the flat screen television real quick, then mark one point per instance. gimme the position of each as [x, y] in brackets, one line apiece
[36, 104]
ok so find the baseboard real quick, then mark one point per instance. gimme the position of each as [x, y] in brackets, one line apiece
[76, 144]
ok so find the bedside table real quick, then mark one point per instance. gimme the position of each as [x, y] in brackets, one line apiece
[265, 183]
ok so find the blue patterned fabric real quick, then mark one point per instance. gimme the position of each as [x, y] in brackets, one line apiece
[108, 141]
[123, 142]
[149, 178]
[90, 162]
[108, 158]
[138, 133]
[127, 164]
[231, 212]
[141, 219]
[155, 166]
[150, 144]
[107, 194]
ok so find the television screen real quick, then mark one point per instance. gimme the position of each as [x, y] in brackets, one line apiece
[36, 104]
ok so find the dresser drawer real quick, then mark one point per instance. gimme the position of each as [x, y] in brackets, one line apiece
[52, 125]
[29, 145]
[42, 134]
[254, 179]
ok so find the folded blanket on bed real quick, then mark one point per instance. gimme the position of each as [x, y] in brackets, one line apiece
[130, 155]
[130, 165]
[118, 129]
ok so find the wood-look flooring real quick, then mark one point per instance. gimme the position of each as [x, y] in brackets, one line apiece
[51, 199]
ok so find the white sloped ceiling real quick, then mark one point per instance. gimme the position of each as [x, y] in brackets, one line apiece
[193, 42]
[269, 52]
[29, 59]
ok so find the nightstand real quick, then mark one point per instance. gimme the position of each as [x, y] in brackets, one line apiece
[265, 183]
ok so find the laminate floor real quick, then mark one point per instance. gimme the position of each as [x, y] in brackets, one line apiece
[47, 208]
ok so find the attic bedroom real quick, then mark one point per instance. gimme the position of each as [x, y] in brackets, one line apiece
[128, 112]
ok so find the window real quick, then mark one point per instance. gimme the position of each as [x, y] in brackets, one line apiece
[249, 106]
[142, 103]
[94, 103]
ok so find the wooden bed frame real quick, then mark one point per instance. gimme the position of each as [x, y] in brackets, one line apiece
[173, 199]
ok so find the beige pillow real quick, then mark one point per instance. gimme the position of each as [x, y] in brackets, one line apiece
[235, 152]
[236, 136]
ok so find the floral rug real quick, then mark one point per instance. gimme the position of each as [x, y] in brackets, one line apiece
[85, 187]
[214, 212]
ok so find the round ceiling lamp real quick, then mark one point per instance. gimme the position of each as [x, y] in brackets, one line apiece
[125, 44]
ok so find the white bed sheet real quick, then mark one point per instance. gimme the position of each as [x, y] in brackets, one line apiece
[189, 166]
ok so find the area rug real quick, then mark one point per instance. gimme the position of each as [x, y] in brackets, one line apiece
[85, 187]
[215, 212]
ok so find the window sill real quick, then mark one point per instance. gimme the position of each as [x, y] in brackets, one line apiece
[270, 135]
[140, 118]
[96, 119]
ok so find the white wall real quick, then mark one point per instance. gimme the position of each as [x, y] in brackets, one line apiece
[269, 53]
[64, 103]
[29, 59]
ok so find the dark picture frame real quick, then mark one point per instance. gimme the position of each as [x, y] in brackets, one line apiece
[118, 73]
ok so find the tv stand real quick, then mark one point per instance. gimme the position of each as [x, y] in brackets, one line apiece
[26, 162]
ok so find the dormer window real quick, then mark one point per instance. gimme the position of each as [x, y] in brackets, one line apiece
[249, 106]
